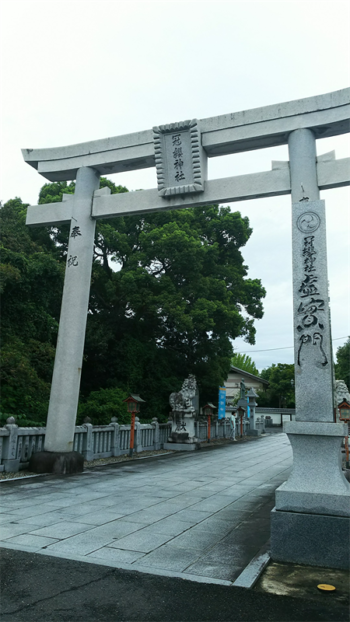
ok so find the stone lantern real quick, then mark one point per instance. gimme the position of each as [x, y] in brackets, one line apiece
[254, 430]
[344, 411]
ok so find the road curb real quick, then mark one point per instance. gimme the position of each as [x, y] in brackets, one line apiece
[251, 574]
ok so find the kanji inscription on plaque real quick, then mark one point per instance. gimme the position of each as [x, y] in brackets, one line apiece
[180, 158]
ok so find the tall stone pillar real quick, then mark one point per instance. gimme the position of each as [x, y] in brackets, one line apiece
[310, 523]
[65, 385]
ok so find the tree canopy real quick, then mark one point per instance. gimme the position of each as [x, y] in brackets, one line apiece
[245, 362]
[169, 291]
[31, 285]
[342, 366]
[280, 392]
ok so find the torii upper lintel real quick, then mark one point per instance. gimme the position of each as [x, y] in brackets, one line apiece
[269, 126]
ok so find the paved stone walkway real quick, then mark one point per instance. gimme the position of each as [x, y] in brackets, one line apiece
[202, 515]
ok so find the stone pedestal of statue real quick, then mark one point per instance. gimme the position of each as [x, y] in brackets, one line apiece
[183, 418]
[183, 434]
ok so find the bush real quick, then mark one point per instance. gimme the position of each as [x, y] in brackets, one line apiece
[102, 405]
[21, 420]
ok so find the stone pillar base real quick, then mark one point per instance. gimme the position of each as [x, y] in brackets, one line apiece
[254, 432]
[317, 484]
[11, 466]
[182, 446]
[57, 462]
[310, 539]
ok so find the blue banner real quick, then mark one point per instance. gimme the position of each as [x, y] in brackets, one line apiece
[222, 403]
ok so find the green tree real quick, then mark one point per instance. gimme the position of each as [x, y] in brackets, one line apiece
[168, 294]
[31, 281]
[280, 393]
[174, 304]
[244, 362]
[104, 404]
[342, 366]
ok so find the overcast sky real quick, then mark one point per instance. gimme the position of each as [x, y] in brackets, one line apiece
[74, 71]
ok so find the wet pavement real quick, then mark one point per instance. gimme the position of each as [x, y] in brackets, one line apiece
[170, 539]
[202, 515]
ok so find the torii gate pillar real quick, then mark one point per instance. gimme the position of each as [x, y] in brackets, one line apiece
[310, 523]
[58, 455]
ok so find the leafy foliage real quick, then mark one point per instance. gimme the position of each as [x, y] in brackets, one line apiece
[280, 393]
[21, 420]
[342, 366]
[104, 404]
[168, 294]
[174, 304]
[244, 362]
[31, 285]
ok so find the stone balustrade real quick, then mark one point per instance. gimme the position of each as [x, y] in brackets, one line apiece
[95, 441]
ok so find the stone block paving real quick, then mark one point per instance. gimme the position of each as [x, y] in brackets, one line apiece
[199, 514]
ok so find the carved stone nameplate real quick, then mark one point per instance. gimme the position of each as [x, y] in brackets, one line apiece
[180, 158]
[312, 337]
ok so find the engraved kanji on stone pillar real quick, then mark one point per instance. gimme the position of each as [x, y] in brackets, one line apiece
[312, 337]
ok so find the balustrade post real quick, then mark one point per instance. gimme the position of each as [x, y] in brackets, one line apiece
[115, 445]
[1, 453]
[88, 445]
[11, 460]
[156, 441]
[137, 442]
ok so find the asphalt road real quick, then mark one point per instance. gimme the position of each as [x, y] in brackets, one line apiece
[39, 588]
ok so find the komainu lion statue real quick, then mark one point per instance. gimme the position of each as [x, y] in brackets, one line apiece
[182, 401]
[341, 392]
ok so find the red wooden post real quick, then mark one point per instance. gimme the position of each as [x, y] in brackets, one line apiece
[132, 433]
[133, 406]
[208, 410]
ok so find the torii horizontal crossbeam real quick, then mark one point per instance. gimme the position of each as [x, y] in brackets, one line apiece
[331, 173]
[269, 126]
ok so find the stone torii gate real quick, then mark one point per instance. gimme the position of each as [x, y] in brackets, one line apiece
[313, 506]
